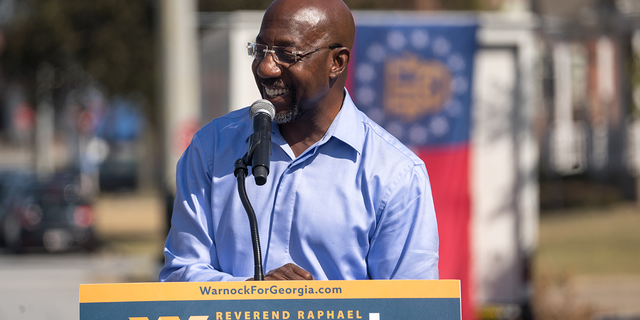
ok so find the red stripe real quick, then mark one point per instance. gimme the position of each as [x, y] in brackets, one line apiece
[448, 169]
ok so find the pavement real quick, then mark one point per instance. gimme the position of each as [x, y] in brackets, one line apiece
[46, 286]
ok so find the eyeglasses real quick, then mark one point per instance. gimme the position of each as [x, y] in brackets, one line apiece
[285, 56]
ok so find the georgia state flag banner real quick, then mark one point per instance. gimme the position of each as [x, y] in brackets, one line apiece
[414, 79]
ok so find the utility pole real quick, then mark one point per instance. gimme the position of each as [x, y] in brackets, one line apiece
[44, 161]
[180, 86]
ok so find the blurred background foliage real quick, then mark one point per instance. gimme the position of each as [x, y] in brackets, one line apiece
[110, 42]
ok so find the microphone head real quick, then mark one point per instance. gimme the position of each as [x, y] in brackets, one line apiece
[262, 105]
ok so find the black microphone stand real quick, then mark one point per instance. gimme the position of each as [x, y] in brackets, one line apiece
[241, 171]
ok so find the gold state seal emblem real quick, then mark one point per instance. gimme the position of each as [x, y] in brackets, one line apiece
[415, 87]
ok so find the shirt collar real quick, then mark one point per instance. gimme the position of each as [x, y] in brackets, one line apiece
[347, 126]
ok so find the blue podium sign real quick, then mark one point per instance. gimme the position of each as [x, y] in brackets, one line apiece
[365, 299]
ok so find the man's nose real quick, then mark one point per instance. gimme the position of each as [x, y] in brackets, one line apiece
[268, 68]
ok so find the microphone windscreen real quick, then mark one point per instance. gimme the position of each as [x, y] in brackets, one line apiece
[262, 105]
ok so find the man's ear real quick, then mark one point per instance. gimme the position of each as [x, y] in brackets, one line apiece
[340, 62]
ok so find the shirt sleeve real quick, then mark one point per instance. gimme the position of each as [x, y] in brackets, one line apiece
[405, 243]
[190, 253]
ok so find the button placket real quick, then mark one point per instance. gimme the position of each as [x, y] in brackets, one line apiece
[281, 220]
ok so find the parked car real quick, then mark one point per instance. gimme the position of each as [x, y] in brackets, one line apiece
[47, 214]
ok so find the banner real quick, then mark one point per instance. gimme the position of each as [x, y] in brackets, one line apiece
[373, 300]
[413, 77]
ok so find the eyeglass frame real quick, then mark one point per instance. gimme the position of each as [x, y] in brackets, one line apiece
[297, 55]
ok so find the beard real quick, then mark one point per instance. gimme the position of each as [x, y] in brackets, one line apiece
[291, 114]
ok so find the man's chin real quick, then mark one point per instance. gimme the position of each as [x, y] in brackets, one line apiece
[287, 116]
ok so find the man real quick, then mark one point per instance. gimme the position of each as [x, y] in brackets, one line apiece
[344, 199]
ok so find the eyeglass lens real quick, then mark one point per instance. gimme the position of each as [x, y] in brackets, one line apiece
[281, 54]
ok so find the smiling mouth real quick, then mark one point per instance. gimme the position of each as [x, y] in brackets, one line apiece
[275, 92]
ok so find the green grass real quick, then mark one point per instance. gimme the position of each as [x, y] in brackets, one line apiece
[594, 241]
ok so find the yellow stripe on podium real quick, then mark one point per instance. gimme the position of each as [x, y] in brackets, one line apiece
[269, 290]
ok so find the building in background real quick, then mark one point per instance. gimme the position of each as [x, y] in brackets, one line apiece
[589, 119]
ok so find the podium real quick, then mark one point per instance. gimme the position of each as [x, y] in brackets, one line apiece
[288, 300]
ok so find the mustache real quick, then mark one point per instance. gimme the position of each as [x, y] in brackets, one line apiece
[272, 82]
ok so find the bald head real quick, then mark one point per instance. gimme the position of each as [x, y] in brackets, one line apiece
[308, 91]
[327, 21]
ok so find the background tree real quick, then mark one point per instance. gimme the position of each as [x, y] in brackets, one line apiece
[110, 41]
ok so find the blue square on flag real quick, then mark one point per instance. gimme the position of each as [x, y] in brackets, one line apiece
[415, 80]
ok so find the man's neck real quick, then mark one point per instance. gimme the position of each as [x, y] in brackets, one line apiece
[305, 131]
[301, 134]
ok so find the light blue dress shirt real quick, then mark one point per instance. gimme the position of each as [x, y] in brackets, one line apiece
[355, 205]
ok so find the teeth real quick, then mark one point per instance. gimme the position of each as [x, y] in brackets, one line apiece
[275, 92]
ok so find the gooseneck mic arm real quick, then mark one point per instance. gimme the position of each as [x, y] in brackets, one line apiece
[258, 156]
[240, 172]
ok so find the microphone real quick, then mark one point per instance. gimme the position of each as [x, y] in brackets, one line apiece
[261, 112]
